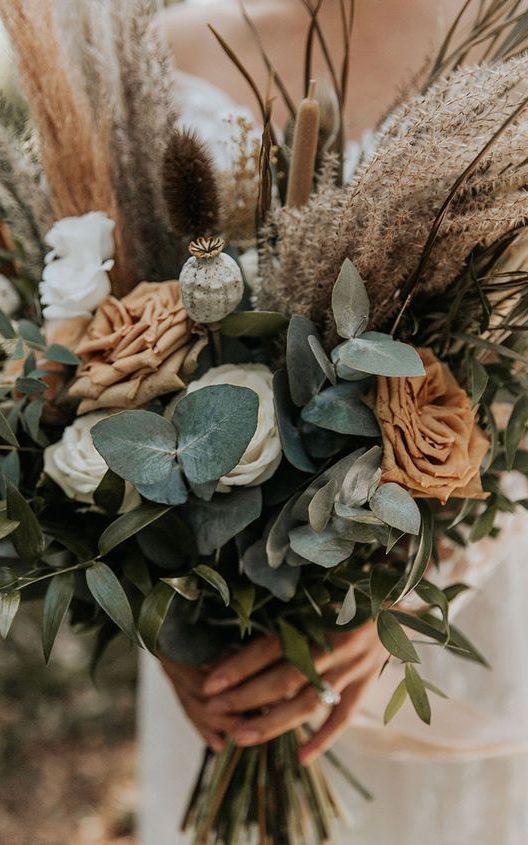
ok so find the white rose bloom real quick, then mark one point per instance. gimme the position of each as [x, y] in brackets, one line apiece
[9, 298]
[74, 286]
[249, 261]
[77, 467]
[263, 455]
[90, 233]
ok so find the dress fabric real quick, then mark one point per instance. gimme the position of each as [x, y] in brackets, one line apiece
[461, 781]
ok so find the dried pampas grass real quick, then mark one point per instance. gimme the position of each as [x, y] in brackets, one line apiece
[382, 220]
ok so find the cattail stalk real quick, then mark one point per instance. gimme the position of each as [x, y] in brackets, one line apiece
[304, 151]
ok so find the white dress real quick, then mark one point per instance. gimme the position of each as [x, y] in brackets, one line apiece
[461, 781]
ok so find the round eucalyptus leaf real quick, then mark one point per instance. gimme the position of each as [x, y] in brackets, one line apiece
[327, 548]
[379, 354]
[281, 582]
[305, 376]
[139, 446]
[396, 507]
[350, 301]
[342, 409]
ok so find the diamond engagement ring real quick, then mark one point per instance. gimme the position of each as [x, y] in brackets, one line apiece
[329, 695]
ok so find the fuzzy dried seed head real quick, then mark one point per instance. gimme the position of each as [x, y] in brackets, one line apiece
[206, 247]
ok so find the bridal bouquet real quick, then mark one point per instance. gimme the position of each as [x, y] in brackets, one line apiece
[287, 431]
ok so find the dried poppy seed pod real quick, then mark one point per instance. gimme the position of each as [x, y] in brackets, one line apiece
[211, 282]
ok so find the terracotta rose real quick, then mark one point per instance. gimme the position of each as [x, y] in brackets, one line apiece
[432, 445]
[136, 348]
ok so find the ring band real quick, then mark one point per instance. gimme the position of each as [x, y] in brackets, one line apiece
[329, 695]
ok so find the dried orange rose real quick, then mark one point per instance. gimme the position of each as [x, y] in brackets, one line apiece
[136, 348]
[432, 445]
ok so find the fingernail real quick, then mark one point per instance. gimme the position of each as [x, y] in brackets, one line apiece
[246, 737]
[215, 684]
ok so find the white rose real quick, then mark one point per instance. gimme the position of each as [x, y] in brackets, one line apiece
[74, 286]
[77, 467]
[249, 261]
[9, 298]
[90, 233]
[263, 455]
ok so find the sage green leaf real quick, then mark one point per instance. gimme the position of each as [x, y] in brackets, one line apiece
[139, 446]
[483, 524]
[7, 526]
[321, 443]
[322, 358]
[350, 301]
[30, 386]
[186, 586]
[9, 604]
[56, 603]
[432, 688]
[348, 608]
[31, 419]
[361, 479]
[31, 333]
[253, 323]
[379, 354]
[109, 492]
[396, 507]
[493, 431]
[6, 432]
[516, 429]
[479, 381]
[215, 426]
[434, 596]
[215, 580]
[290, 436]
[396, 702]
[27, 538]
[423, 552]
[62, 355]
[321, 507]
[153, 612]
[128, 524]
[342, 409]
[394, 638]
[382, 583]
[353, 531]
[305, 376]
[6, 327]
[354, 514]
[170, 490]
[221, 519]
[281, 582]
[106, 589]
[326, 549]
[297, 652]
[417, 693]
[431, 626]
[278, 541]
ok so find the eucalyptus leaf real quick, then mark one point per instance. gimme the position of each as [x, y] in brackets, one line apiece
[31, 419]
[106, 589]
[290, 436]
[305, 376]
[9, 604]
[417, 693]
[394, 638]
[109, 492]
[6, 432]
[350, 301]
[31, 333]
[396, 702]
[185, 639]
[341, 408]
[56, 603]
[321, 507]
[483, 524]
[396, 507]
[215, 426]
[6, 327]
[322, 358]
[253, 323]
[170, 490]
[326, 548]
[381, 355]
[297, 652]
[516, 429]
[139, 446]
[30, 386]
[128, 524]
[27, 538]
[349, 607]
[281, 582]
[153, 612]
[278, 540]
[169, 543]
[423, 552]
[216, 522]
[62, 355]
[361, 478]
[382, 583]
[479, 381]
[215, 580]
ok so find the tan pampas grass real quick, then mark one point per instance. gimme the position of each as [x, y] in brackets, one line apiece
[189, 186]
[382, 220]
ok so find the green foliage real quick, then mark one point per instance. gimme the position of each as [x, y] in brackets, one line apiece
[341, 408]
[106, 589]
[297, 651]
[253, 324]
[350, 302]
[395, 639]
[379, 354]
[56, 603]
[129, 524]
[396, 507]
[305, 376]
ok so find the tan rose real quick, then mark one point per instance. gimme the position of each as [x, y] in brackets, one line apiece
[432, 444]
[136, 348]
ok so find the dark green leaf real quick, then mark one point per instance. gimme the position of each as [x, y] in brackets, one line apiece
[290, 436]
[9, 604]
[109, 594]
[139, 446]
[278, 541]
[6, 432]
[396, 702]
[137, 571]
[30, 386]
[431, 626]
[153, 613]
[110, 492]
[62, 355]
[56, 603]
[6, 327]
[342, 409]
[31, 419]
[297, 651]
[185, 585]
[253, 323]
[7, 526]
[382, 583]
[515, 429]
[423, 553]
[215, 580]
[128, 524]
[215, 426]
[479, 381]
[483, 524]
[394, 638]
[434, 596]
[170, 490]
[417, 693]
[221, 519]
[185, 639]
[27, 539]
[304, 373]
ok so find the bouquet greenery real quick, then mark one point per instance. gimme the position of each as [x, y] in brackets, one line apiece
[195, 462]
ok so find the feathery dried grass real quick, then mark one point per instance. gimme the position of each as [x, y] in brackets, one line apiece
[381, 221]
[189, 186]
[239, 186]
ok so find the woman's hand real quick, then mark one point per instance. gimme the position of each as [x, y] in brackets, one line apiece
[257, 677]
[188, 681]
